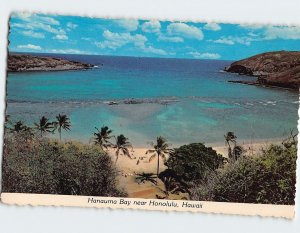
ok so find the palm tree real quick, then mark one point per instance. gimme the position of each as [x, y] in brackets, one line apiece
[18, 127]
[122, 145]
[63, 122]
[144, 177]
[172, 184]
[230, 138]
[102, 137]
[160, 150]
[44, 126]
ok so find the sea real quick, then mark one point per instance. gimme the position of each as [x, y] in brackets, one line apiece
[183, 100]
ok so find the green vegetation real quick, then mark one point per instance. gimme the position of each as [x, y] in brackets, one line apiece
[63, 122]
[194, 161]
[122, 145]
[33, 164]
[267, 178]
[160, 149]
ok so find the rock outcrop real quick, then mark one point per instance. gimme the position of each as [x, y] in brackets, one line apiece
[21, 63]
[279, 69]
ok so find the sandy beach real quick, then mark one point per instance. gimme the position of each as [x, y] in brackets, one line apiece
[129, 168]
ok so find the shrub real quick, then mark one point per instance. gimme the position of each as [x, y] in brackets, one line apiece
[268, 178]
[193, 162]
[50, 167]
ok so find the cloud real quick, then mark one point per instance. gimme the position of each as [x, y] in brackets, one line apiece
[175, 39]
[115, 40]
[71, 25]
[224, 41]
[212, 26]
[151, 26]
[33, 34]
[184, 30]
[153, 50]
[67, 51]
[231, 40]
[61, 37]
[128, 24]
[205, 55]
[282, 32]
[25, 16]
[269, 32]
[29, 46]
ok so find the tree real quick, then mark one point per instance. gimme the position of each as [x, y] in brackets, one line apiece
[161, 149]
[172, 184]
[103, 136]
[230, 138]
[146, 177]
[193, 162]
[63, 122]
[44, 126]
[122, 145]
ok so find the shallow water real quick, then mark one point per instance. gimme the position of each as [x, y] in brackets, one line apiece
[182, 100]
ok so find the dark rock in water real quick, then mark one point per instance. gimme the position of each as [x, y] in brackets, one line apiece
[21, 63]
[280, 69]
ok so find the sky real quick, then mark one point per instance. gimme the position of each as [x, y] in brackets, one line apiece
[40, 33]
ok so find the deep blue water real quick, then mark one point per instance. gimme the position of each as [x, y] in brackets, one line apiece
[183, 100]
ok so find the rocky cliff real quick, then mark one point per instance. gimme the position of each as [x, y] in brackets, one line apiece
[20, 63]
[280, 69]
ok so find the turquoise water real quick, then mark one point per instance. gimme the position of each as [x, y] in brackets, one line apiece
[182, 100]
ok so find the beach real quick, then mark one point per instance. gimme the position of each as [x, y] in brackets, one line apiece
[128, 169]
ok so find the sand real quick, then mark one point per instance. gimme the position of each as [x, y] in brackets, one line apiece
[129, 168]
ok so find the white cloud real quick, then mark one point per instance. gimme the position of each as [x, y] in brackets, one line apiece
[224, 41]
[212, 26]
[61, 37]
[128, 24]
[116, 40]
[269, 32]
[71, 25]
[29, 46]
[205, 55]
[231, 40]
[184, 30]
[25, 16]
[67, 51]
[151, 26]
[175, 39]
[153, 50]
[33, 34]
[282, 32]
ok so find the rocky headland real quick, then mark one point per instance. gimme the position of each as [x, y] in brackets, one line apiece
[22, 63]
[274, 69]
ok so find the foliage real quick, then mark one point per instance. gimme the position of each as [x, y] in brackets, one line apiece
[122, 145]
[44, 126]
[50, 167]
[102, 137]
[268, 178]
[160, 149]
[146, 177]
[172, 184]
[192, 162]
[63, 122]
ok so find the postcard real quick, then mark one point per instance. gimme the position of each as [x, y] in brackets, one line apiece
[151, 114]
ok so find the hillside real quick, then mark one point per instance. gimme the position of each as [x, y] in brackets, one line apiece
[21, 63]
[280, 69]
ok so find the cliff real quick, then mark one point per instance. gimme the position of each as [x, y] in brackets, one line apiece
[21, 63]
[280, 69]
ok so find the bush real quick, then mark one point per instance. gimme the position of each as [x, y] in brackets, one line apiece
[49, 167]
[193, 162]
[268, 178]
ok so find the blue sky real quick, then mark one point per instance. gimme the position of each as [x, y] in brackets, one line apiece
[41, 33]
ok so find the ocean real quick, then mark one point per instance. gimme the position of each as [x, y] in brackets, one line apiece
[180, 99]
